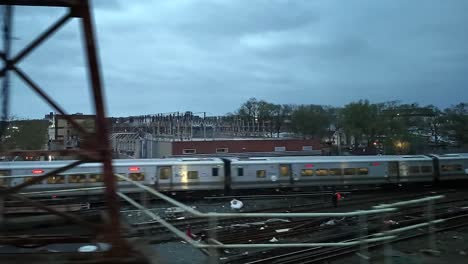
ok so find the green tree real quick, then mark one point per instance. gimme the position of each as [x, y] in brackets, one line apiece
[360, 120]
[456, 124]
[310, 120]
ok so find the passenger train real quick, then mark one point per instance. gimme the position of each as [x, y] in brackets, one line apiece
[225, 174]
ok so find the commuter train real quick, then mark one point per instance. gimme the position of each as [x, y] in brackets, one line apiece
[235, 173]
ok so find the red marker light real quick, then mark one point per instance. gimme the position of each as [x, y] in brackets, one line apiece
[134, 169]
[309, 165]
[37, 171]
[375, 164]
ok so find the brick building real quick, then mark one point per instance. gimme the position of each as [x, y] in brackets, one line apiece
[157, 148]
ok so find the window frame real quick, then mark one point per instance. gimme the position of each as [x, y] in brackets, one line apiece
[59, 177]
[240, 171]
[196, 175]
[189, 151]
[415, 169]
[80, 178]
[335, 170]
[131, 176]
[319, 170]
[224, 150]
[262, 172]
[304, 174]
[358, 171]
[348, 169]
[169, 171]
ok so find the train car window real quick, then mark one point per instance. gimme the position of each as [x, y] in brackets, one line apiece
[363, 171]
[321, 172]
[95, 178]
[192, 175]
[240, 171]
[76, 178]
[457, 167]
[164, 173]
[426, 169]
[284, 170]
[307, 172]
[137, 176]
[56, 179]
[335, 172]
[414, 169]
[261, 173]
[28, 179]
[214, 171]
[349, 171]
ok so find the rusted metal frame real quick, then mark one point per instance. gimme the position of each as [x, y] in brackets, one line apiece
[57, 3]
[48, 99]
[7, 24]
[101, 123]
[39, 39]
[37, 179]
[41, 240]
[68, 216]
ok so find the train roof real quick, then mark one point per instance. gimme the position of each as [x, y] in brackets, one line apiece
[116, 163]
[328, 159]
[451, 156]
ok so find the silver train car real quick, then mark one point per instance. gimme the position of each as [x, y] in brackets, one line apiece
[224, 174]
[162, 174]
[279, 172]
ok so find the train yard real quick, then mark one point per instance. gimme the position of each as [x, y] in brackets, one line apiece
[449, 213]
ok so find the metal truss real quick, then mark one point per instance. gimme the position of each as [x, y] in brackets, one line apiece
[98, 146]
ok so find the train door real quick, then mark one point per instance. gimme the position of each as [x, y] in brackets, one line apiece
[285, 174]
[393, 172]
[4, 182]
[164, 178]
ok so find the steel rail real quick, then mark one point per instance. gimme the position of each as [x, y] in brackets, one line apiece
[220, 245]
[248, 215]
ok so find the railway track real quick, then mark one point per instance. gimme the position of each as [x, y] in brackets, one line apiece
[334, 234]
[242, 226]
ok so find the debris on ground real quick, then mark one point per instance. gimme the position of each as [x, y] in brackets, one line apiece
[329, 223]
[282, 230]
[274, 239]
[390, 222]
[236, 204]
[462, 252]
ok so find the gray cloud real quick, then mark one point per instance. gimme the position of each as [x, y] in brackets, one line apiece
[211, 55]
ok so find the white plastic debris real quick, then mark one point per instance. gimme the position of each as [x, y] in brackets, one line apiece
[236, 204]
[262, 228]
[390, 222]
[282, 230]
[180, 218]
[274, 239]
[88, 248]
[329, 223]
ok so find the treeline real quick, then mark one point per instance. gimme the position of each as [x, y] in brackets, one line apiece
[389, 127]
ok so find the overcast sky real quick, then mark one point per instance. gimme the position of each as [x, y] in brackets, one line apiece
[212, 55]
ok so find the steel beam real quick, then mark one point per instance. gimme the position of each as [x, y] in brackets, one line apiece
[45, 3]
[102, 132]
[48, 99]
[39, 39]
